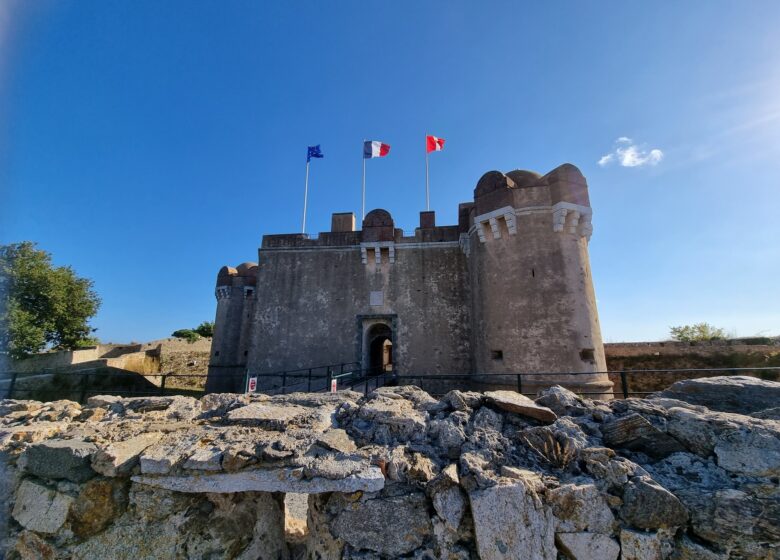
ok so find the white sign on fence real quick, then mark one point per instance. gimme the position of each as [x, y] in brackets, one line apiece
[333, 385]
[251, 386]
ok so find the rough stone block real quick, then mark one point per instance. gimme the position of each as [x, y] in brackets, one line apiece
[40, 509]
[587, 546]
[520, 404]
[61, 459]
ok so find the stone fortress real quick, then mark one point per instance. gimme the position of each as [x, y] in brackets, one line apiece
[507, 290]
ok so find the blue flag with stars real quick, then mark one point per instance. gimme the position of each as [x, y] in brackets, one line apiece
[314, 152]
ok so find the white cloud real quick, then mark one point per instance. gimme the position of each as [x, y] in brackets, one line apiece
[629, 154]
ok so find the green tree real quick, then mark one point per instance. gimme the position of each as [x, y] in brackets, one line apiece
[187, 334]
[697, 332]
[205, 329]
[42, 305]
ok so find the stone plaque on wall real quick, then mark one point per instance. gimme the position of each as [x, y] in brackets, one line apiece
[376, 299]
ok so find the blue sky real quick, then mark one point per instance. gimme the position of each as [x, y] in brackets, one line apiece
[149, 143]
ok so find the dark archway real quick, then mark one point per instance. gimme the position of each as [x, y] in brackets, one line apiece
[379, 340]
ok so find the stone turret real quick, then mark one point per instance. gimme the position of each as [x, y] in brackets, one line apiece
[533, 303]
[235, 293]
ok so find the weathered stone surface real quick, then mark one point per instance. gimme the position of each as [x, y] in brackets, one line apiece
[648, 505]
[96, 506]
[511, 522]
[580, 508]
[337, 440]
[390, 526]
[40, 509]
[399, 418]
[120, 457]
[170, 451]
[279, 418]
[587, 546]
[637, 434]
[642, 546]
[520, 404]
[738, 393]
[370, 479]
[205, 459]
[741, 444]
[63, 459]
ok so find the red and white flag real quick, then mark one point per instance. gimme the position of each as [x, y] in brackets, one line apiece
[434, 144]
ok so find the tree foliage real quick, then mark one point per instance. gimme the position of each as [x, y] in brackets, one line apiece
[42, 305]
[205, 329]
[697, 332]
[187, 334]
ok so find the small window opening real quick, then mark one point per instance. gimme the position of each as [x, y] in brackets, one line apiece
[533, 273]
[588, 355]
[246, 352]
[497, 354]
[216, 353]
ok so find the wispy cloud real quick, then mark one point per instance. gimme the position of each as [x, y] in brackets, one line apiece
[629, 154]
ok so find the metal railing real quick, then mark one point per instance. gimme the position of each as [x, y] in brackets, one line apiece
[349, 375]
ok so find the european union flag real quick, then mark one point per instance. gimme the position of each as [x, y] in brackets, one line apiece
[314, 152]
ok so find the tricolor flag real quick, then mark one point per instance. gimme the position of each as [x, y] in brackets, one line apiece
[433, 144]
[374, 148]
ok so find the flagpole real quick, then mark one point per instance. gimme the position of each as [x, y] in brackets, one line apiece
[305, 196]
[363, 206]
[427, 188]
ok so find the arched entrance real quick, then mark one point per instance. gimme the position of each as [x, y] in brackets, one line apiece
[379, 343]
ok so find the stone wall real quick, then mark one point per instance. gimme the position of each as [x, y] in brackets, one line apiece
[396, 474]
[735, 354]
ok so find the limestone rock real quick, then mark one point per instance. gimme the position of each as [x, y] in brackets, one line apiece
[739, 393]
[205, 459]
[63, 459]
[279, 418]
[647, 505]
[520, 404]
[399, 417]
[642, 546]
[97, 505]
[120, 457]
[391, 526]
[634, 432]
[511, 522]
[337, 440]
[580, 508]
[40, 509]
[741, 444]
[587, 546]
[369, 479]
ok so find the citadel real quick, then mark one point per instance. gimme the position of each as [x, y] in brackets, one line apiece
[506, 290]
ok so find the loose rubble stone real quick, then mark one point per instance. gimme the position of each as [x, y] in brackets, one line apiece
[64, 459]
[511, 522]
[580, 508]
[520, 404]
[120, 457]
[451, 479]
[587, 546]
[390, 526]
[370, 479]
[641, 546]
[648, 505]
[40, 509]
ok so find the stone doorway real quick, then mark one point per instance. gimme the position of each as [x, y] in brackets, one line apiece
[380, 348]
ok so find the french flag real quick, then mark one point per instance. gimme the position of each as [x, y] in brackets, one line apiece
[374, 148]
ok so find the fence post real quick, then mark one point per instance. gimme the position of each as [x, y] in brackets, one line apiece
[11, 386]
[284, 382]
[520, 383]
[83, 397]
[624, 383]
[328, 378]
[162, 383]
[309, 385]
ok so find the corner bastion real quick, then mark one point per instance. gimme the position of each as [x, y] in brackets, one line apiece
[395, 474]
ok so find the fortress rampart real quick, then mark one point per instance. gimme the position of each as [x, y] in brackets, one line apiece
[506, 290]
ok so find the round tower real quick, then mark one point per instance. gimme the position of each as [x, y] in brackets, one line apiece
[533, 303]
[235, 293]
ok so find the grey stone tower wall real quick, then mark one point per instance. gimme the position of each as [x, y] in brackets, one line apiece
[236, 294]
[533, 302]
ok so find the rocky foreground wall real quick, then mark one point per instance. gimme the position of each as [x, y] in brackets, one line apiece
[397, 474]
